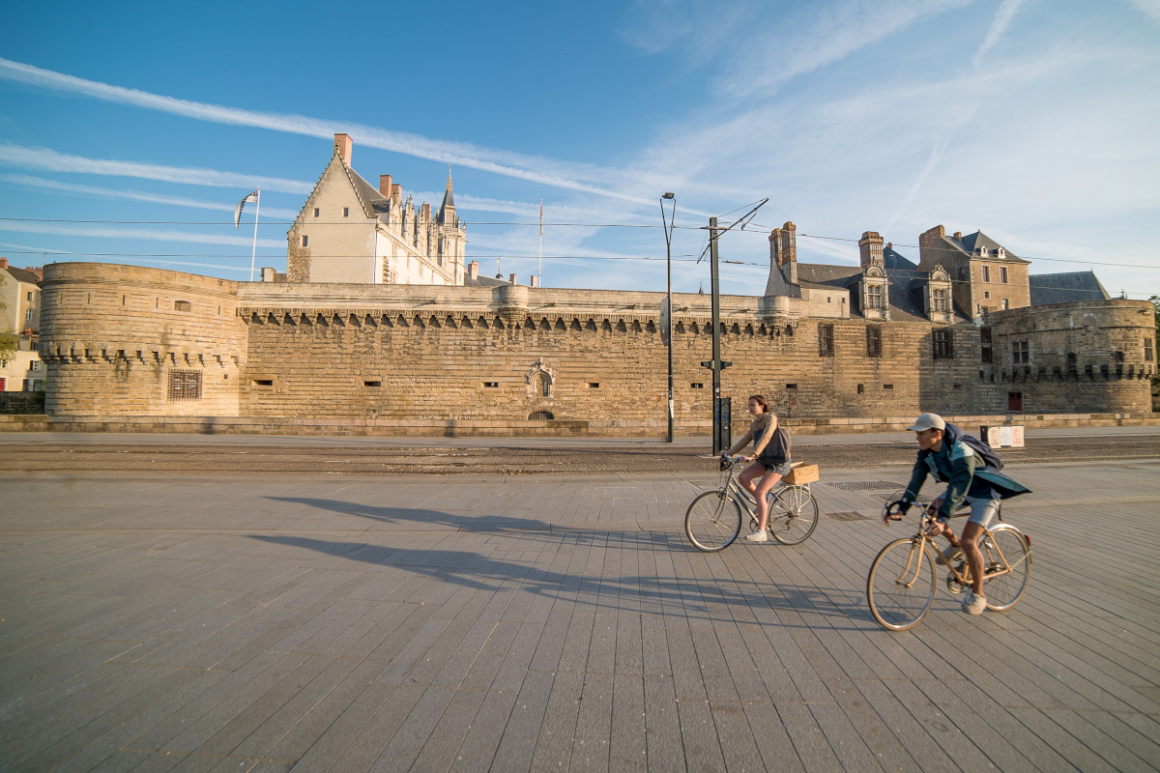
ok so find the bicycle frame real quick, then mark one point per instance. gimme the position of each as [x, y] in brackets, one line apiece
[987, 544]
[746, 499]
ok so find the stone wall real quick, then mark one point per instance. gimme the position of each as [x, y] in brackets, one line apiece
[113, 335]
[591, 359]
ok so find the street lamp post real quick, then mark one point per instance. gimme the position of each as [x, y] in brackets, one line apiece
[668, 228]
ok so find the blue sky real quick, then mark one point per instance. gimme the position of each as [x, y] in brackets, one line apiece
[137, 128]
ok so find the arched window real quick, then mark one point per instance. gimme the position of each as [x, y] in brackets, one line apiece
[545, 384]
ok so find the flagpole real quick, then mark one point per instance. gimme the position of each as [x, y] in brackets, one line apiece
[541, 268]
[254, 251]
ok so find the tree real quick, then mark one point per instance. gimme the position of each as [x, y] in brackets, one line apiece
[9, 342]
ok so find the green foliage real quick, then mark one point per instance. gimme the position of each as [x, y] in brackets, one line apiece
[1156, 307]
[9, 342]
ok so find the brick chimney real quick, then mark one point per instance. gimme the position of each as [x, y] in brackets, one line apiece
[385, 185]
[870, 248]
[343, 145]
[473, 269]
[958, 236]
[426, 211]
[3, 262]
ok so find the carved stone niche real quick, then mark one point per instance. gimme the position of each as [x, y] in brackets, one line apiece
[540, 381]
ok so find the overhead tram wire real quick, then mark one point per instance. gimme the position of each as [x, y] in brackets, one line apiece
[742, 229]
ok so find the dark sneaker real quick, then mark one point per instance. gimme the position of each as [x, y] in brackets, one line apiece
[974, 604]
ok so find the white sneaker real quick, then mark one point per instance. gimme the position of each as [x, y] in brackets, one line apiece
[758, 536]
[950, 554]
[974, 604]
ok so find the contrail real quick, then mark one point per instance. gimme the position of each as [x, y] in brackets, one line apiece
[153, 198]
[52, 161]
[459, 154]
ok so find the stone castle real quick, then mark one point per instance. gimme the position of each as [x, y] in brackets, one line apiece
[378, 327]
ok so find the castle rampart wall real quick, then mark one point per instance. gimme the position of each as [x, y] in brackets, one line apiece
[112, 335]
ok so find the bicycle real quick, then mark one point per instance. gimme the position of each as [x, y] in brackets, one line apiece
[903, 579]
[713, 519]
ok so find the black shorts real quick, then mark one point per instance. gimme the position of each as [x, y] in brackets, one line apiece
[773, 465]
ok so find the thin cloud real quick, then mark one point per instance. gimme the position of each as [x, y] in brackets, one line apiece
[104, 232]
[999, 25]
[52, 161]
[460, 154]
[152, 198]
[830, 35]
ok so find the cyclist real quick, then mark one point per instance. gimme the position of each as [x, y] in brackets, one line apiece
[771, 447]
[960, 461]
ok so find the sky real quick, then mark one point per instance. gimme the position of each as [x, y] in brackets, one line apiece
[129, 133]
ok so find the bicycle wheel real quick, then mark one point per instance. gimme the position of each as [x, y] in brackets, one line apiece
[793, 515]
[713, 521]
[1005, 547]
[901, 584]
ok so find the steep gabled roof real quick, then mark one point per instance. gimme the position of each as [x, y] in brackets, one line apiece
[1066, 286]
[978, 239]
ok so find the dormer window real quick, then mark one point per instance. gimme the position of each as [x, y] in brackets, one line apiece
[1002, 253]
[984, 251]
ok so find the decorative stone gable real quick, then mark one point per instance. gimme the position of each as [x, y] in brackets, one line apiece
[939, 301]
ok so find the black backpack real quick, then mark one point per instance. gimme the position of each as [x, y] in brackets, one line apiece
[980, 447]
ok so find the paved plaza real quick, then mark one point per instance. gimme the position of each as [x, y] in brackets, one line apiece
[534, 623]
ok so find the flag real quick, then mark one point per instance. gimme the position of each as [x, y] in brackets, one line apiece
[541, 217]
[253, 197]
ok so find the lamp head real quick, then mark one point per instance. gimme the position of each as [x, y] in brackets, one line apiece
[669, 196]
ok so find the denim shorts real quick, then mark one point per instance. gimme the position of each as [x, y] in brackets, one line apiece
[983, 509]
[772, 466]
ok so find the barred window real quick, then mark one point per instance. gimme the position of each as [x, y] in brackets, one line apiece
[943, 343]
[185, 385]
[825, 340]
[873, 341]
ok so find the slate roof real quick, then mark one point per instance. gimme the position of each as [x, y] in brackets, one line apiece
[978, 239]
[1066, 286]
[23, 275]
[483, 281]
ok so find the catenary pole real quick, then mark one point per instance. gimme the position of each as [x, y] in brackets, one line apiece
[716, 314]
[669, 265]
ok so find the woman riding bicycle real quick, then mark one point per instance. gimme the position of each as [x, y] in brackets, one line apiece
[771, 447]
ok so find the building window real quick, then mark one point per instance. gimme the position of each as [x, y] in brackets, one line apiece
[825, 340]
[1003, 274]
[986, 273]
[346, 211]
[184, 385]
[541, 416]
[938, 300]
[696, 385]
[1006, 304]
[305, 241]
[1148, 349]
[491, 385]
[943, 344]
[1020, 352]
[873, 341]
[1071, 361]
[1015, 401]
[545, 385]
[985, 350]
[28, 315]
[30, 295]
[182, 306]
[874, 297]
[861, 388]
[316, 211]
[791, 387]
[986, 294]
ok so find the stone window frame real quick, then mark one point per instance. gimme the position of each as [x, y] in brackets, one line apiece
[540, 381]
[1149, 352]
[1003, 275]
[825, 339]
[942, 343]
[1020, 352]
[874, 341]
[938, 299]
[184, 385]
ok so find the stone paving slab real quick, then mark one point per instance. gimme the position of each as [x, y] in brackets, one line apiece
[419, 624]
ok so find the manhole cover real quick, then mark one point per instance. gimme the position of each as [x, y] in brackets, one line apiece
[866, 485]
[850, 516]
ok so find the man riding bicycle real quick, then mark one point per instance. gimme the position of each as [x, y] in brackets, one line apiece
[952, 457]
